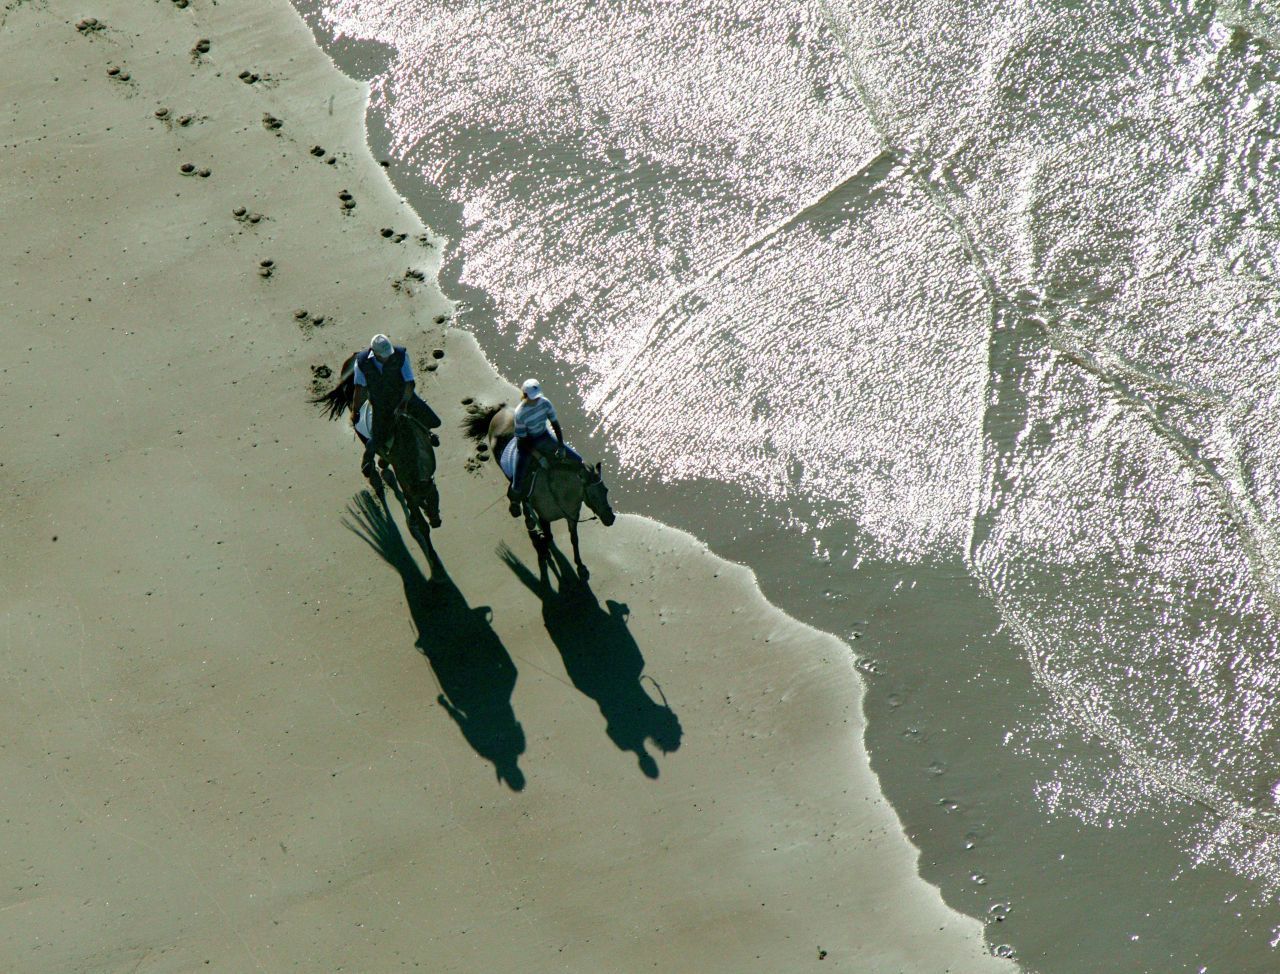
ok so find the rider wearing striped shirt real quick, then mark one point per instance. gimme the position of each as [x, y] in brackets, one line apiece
[535, 421]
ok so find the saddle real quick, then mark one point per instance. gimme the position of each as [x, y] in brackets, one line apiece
[545, 456]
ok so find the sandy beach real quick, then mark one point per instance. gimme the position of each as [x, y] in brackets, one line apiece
[243, 728]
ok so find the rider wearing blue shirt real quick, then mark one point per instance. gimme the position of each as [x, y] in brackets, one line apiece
[384, 377]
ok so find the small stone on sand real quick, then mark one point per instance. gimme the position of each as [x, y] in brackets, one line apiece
[162, 113]
[113, 71]
[187, 168]
[254, 217]
[239, 211]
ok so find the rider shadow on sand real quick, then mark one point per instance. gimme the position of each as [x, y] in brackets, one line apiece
[473, 668]
[601, 657]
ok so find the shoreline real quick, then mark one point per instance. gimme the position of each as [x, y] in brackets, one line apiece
[223, 752]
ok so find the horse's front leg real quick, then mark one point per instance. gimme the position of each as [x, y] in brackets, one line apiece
[431, 499]
[418, 526]
[370, 471]
[577, 556]
[536, 536]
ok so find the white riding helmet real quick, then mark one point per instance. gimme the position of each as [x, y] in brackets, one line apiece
[531, 388]
[381, 346]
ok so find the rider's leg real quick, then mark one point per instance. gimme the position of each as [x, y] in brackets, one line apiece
[366, 458]
[515, 492]
[423, 413]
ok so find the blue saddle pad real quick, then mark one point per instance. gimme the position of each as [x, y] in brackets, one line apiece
[508, 459]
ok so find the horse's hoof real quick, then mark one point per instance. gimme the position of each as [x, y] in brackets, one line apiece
[434, 521]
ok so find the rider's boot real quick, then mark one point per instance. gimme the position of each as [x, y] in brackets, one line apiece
[513, 502]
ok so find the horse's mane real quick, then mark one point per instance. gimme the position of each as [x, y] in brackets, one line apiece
[338, 400]
[476, 423]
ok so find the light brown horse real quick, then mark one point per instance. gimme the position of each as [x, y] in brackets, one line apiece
[561, 485]
[410, 454]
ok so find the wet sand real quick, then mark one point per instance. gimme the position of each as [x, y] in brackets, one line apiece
[244, 727]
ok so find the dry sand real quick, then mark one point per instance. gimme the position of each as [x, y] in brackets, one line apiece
[236, 737]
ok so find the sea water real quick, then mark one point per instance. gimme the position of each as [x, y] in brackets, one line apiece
[956, 321]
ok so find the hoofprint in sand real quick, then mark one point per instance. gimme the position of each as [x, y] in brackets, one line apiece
[242, 730]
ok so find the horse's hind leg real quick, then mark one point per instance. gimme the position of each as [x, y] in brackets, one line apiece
[577, 557]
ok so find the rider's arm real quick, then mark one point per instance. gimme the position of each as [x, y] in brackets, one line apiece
[406, 395]
[555, 425]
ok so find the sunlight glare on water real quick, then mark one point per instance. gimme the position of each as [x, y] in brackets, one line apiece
[995, 282]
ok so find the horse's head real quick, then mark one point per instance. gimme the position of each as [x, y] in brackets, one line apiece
[596, 495]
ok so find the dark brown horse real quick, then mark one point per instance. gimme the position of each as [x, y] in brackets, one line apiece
[561, 485]
[410, 454]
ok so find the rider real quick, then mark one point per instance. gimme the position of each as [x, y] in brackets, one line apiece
[384, 377]
[534, 414]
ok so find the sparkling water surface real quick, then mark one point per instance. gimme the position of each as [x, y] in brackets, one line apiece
[990, 285]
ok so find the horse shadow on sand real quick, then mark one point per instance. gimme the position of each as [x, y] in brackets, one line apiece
[601, 657]
[474, 670]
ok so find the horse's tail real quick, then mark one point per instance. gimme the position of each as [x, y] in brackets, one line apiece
[338, 400]
[476, 424]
